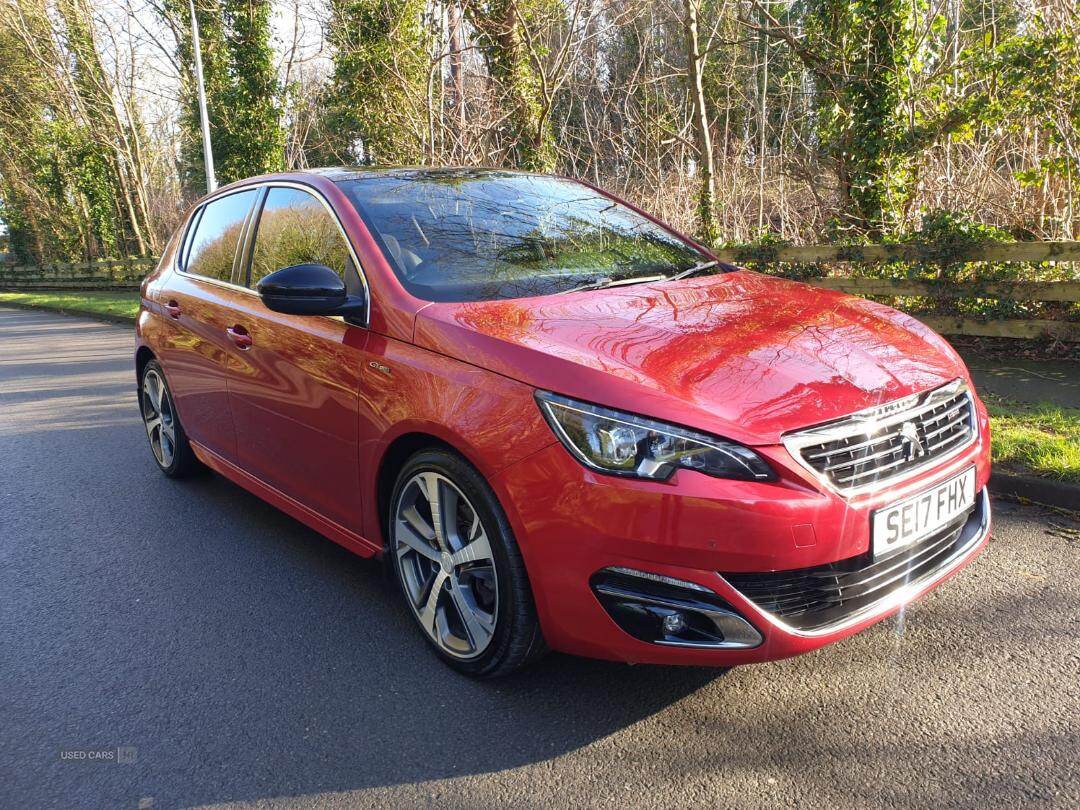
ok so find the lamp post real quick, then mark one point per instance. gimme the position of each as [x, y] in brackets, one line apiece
[204, 119]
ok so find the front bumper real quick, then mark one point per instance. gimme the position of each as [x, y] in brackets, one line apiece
[572, 523]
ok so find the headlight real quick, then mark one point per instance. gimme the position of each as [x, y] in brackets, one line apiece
[623, 444]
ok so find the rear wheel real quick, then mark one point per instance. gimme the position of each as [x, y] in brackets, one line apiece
[168, 441]
[459, 568]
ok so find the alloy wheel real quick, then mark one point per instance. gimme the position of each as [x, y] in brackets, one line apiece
[446, 565]
[159, 417]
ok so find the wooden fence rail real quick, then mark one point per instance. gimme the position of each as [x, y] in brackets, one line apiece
[120, 274]
[1067, 291]
[99, 274]
[1060, 291]
[986, 252]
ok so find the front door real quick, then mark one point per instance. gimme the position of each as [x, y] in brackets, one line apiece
[293, 389]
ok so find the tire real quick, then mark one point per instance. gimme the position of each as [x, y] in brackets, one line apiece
[482, 620]
[168, 442]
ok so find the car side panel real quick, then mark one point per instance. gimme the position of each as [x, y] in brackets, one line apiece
[294, 396]
[492, 420]
[290, 506]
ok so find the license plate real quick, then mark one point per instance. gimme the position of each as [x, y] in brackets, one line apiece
[919, 516]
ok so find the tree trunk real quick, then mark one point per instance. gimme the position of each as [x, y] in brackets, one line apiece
[457, 82]
[500, 26]
[702, 138]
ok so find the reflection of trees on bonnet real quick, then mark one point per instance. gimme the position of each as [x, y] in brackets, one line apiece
[295, 228]
[734, 339]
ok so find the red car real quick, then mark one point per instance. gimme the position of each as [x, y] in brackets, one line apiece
[562, 423]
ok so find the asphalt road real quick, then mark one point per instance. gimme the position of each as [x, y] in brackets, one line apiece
[246, 660]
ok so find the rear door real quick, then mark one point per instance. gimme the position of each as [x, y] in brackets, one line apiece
[197, 302]
[293, 390]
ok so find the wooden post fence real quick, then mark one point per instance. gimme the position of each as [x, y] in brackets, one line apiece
[1060, 291]
[101, 274]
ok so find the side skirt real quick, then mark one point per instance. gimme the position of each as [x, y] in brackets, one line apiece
[290, 506]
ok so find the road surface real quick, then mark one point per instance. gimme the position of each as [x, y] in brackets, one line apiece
[228, 655]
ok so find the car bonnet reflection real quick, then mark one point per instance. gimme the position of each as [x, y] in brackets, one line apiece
[761, 354]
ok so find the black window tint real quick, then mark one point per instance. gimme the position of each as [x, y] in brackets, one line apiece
[213, 246]
[296, 228]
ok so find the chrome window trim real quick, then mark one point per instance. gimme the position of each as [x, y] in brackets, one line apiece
[248, 224]
[241, 260]
[897, 598]
[884, 415]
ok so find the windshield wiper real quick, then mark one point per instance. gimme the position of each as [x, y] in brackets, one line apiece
[602, 283]
[689, 271]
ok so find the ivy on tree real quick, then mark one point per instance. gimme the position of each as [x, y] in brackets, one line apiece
[242, 94]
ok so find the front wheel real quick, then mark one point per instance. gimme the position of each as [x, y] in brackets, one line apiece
[459, 568]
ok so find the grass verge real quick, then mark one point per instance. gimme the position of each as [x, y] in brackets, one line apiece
[1042, 438]
[115, 303]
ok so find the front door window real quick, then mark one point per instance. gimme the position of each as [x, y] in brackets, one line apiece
[296, 228]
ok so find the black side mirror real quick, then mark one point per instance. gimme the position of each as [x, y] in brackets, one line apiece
[308, 289]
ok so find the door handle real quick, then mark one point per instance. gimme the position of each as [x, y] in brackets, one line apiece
[239, 335]
[173, 309]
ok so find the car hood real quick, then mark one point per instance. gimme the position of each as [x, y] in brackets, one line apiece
[739, 354]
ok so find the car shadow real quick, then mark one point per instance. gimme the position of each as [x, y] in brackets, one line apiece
[333, 670]
[228, 650]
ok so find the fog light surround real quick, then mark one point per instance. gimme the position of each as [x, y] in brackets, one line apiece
[663, 610]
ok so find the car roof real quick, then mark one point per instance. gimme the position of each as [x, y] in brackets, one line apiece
[337, 174]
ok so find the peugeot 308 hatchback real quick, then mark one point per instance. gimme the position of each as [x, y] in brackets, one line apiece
[563, 424]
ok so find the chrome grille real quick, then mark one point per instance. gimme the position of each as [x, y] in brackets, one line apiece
[886, 442]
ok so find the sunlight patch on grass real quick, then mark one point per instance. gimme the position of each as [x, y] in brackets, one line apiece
[122, 303]
[1043, 438]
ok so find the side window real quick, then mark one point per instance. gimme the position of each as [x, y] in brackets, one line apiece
[296, 228]
[213, 245]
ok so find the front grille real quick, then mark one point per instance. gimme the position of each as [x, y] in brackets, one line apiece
[810, 598]
[883, 443]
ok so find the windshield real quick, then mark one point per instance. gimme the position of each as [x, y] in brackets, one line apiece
[475, 236]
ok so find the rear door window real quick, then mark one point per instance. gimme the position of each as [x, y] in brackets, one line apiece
[295, 227]
[217, 233]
